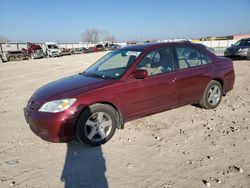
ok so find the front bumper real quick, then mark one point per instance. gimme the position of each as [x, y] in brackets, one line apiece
[52, 127]
[38, 55]
[236, 54]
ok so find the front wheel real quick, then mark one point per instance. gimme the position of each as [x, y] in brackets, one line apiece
[212, 95]
[96, 125]
[248, 57]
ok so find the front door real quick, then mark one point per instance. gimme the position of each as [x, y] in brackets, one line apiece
[155, 93]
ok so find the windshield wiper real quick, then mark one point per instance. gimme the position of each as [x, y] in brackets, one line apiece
[95, 75]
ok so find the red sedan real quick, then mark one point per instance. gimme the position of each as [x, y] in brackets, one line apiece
[126, 84]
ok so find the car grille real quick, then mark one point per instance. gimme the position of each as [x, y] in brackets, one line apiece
[233, 50]
[39, 51]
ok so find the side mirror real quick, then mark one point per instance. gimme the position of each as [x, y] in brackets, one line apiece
[141, 74]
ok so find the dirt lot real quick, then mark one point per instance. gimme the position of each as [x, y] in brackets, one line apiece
[185, 147]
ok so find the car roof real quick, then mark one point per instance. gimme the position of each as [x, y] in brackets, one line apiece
[50, 43]
[246, 39]
[150, 45]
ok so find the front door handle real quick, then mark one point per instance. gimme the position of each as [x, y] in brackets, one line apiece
[172, 81]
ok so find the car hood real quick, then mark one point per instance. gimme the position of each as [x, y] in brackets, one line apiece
[35, 47]
[237, 47]
[68, 87]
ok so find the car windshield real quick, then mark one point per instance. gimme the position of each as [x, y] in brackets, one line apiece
[114, 64]
[52, 46]
[242, 43]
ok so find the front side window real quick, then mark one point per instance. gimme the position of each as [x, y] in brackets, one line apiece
[114, 64]
[157, 61]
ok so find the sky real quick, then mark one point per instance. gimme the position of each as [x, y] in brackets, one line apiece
[66, 20]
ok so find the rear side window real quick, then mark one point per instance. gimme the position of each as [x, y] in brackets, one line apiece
[190, 57]
[205, 59]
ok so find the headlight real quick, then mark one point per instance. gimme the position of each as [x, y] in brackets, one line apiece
[243, 49]
[57, 105]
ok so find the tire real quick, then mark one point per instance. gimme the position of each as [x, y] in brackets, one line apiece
[96, 125]
[212, 95]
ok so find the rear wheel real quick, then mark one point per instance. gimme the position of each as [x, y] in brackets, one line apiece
[96, 125]
[212, 95]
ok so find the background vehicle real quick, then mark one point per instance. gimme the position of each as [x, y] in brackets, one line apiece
[81, 50]
[93, 49]
[111, 46]
[127, 84]
[66, 51]
[51, 49]
[16, 55]
[241, 49]
[35, 51]
[99, 47]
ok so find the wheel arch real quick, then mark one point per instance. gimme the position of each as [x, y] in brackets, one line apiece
[120, 120]
[222, 85]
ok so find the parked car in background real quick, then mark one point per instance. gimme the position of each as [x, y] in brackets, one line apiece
[35, 51]
[240, 49]
[127, 84]
[81, 50]
[114, 46]
[111, 46]
[99, 47]
[51, 49]
[66, 51]
[93, 49]
[16, 55]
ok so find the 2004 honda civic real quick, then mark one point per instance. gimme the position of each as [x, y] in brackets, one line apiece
[128, 83]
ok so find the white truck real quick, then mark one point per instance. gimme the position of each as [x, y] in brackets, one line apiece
[51, 49]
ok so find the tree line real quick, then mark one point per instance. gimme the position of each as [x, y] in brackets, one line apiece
[93, 36]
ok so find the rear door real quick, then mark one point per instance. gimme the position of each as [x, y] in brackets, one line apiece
[195, 69]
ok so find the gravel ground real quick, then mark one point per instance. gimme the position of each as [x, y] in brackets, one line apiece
[184, 147]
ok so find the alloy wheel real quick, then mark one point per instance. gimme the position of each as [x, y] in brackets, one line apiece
[98, 126]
